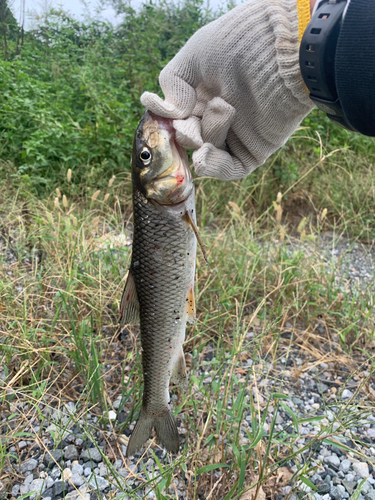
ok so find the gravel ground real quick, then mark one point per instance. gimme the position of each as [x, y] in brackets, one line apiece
[65, 463]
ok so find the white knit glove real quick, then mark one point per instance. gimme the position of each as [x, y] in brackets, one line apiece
[235, 89]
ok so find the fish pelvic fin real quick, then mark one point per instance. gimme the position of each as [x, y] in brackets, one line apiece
[179, 375]
[129, 306]
[165, 427]
[190, 305]
[194, 227]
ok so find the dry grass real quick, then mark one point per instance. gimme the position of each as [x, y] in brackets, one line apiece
[265, 299]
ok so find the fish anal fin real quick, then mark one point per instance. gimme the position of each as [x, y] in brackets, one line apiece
[193, 225]
[190, 305]
[179, 375]
[129, 306]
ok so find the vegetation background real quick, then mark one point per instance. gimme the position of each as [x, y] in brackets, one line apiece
[69, 106]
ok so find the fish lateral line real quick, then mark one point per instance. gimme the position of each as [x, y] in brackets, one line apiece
[197, 235]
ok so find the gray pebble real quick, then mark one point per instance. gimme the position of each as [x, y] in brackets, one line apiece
[285, 490]
[91, 454]
[77, 479]
[29, 465]
[55, 473]
[58, 488]
[71, 452]
[87, 471]
[15, 490]
[366, 488]
[38, 486]
[298, 401]
[52, 458]
[99, 482]
[73, 495]
[335, 493]
[118, 463]
[343, 492]
[332, 460]
[349, 486]
[48, 493]
[133, 468]
[370, 495]
[123, 472]
[361, 469]
[345, 465]
[279, 419]
[346, 394]
[77, 468]
[103, 470]
[49, 482]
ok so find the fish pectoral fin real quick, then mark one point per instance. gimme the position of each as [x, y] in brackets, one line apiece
[197, 235]
[179, 375]
[129, 306]
[190, 305]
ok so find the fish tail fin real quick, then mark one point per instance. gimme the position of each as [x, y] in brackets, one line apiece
[141, 433]
[165, 427]
[166, 430]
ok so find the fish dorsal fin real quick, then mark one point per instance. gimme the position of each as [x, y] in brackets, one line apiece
[197, 235]
[129, 306]
[190, 305]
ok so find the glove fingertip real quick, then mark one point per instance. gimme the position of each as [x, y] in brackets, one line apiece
[188, 132]
[156, 105]
[213, 162]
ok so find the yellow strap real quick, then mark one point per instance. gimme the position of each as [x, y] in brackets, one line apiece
[303, 9]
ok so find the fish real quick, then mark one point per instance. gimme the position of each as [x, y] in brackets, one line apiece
[159, 291]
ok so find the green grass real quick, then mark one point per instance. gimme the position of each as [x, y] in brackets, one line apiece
[59, 297]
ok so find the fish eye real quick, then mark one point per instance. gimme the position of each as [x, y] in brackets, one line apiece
[145, 156]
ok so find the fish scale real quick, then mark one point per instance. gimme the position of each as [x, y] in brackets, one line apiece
[162, 285]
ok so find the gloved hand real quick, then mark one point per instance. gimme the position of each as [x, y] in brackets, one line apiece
[235, 89]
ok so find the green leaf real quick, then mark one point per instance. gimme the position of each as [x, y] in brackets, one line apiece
[278, 395]
[209, 468]
[242, 471]
[307, 481]
[358, 490]
[23, 434]
[338, 444]
[318, 418]
[292, 414]
[161, 468]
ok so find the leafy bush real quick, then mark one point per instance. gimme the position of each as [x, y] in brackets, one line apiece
[71, 98]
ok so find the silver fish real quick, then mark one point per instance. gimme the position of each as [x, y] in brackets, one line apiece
[159, 292]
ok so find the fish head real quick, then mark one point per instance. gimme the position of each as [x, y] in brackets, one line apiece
[159, 164]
